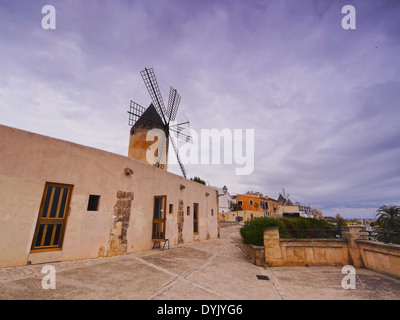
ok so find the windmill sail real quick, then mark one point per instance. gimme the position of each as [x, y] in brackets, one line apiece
[135, 112]
[173, 104]
[165, 115]
[182, 131]
[177, 156]
[150, 81]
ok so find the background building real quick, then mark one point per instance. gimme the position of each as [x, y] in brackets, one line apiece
[224, 200]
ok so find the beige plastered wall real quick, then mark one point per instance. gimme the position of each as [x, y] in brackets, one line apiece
[30, 160]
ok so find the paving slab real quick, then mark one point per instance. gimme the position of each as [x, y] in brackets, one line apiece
[325, 283]
[238, 281]
[215, 269]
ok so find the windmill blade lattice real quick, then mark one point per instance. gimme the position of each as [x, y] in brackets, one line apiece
[182, 131]
[167, 115]
[150, 81]
[135, 112]
[173, 104]
[178, 158]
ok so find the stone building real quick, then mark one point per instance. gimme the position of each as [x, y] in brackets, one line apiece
[224, 200]
[139, 144]
[63, 201]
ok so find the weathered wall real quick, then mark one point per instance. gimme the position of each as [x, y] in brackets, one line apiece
[352, 250]
[380, 257]
[245, 214]
[301, 252]
[138, 143]
[29, 160]
[139, 146]
[304, 252]
[122, 213]
[256, 254]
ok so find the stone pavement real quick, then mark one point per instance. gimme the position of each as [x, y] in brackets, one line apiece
[215, 269]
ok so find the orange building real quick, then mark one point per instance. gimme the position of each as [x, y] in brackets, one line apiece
[272, 207]
[249, 202]
[255, 201]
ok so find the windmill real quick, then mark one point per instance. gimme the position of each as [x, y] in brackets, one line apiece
[156, 116]
[285, 197]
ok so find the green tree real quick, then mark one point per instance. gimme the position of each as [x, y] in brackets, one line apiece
[389, 218]
[199, 180]
[253, 232]
[340, 221]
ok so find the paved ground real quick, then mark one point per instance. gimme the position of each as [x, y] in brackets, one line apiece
[208, 270]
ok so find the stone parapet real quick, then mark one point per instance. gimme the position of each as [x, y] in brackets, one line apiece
[273, 254]
[353, 249]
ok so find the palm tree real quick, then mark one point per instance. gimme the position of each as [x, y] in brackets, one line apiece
[389, 221]
[340, 222]
[389, 218]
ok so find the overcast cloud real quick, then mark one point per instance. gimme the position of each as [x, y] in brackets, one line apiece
[323, 101]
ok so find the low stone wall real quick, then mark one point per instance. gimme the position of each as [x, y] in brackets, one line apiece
[317, 252]
[245, 215]
[380, 257]
[224, 224]
[256, 254]
[303, 252]
[353, 249]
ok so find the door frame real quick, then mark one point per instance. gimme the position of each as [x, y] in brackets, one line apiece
[157, 220]
[46, 221]
[195, 219]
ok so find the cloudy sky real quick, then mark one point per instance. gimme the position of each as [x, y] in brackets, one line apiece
[323, 101]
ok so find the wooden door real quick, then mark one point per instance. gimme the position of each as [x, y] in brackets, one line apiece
[53, 213]
[159, 218]
[195, 218]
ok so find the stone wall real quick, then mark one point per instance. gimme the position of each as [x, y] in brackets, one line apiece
[246, 215]
[380, 257]
[353, 249]
[316, 252]
[256, 254]
[122, 214]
